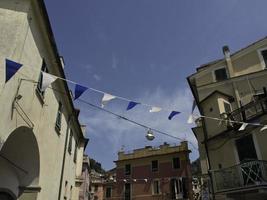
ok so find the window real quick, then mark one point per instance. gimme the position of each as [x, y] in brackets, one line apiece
[178, 188]
[127, 169]
[227, 107]
[154, 165]
[96, 188]
[75, 152]
[176, 163]
[70, 142]
[156, 187]
[59, 116]
[264, 56]
[127, 191]
[40, 80]
[70, 192]
[66, 189]
[108, 192]
[220, 74]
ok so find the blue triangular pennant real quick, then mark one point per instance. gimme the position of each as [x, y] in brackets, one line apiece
[131, 105]
[11, 68]
[173, 113]
[79, 90]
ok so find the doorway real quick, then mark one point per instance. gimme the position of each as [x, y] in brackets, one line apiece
[246, 149]
[5, 196]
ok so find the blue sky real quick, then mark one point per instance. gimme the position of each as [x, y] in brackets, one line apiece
[144, 50]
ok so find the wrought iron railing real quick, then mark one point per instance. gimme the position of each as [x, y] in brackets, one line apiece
[247, 174]
[249, 111]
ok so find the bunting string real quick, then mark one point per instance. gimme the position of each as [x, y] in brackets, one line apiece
[80, 89]
[12, 67]
[112, 113]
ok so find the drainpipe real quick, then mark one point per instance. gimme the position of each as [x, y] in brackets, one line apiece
[205, 134]
[64, 157]
[229, 64]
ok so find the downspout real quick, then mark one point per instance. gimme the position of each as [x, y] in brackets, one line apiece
[205, 134]
[64, 157]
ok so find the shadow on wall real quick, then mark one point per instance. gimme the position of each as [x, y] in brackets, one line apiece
[19, 162]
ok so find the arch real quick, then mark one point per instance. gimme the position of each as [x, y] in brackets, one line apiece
[6, 195]
[19, 161]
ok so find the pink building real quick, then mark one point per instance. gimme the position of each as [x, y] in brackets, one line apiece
[84, 188]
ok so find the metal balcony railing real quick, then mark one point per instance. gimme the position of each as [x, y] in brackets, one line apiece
[250, 111]
[247, 174]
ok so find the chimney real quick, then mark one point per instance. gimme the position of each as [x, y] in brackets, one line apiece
[227, 56]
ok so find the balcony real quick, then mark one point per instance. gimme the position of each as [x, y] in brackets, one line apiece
[251, 110]
[245, 176]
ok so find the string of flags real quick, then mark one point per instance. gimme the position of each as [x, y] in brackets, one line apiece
[12, 67]
[140, 179]
[47, 79]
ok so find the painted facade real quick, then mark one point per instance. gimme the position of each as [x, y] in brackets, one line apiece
[96, 185]
[38, 158]
[85, 178]
[233, 89]
[152, 173]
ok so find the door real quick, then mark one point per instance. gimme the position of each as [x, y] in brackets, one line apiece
[127, 191]
[249, 166]
[246, 149]
[5, 196]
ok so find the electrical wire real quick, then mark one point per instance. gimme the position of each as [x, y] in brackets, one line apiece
[120, 116]
[135, 122]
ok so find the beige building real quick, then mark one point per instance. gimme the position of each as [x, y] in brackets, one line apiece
[233, 89]
[41, 140]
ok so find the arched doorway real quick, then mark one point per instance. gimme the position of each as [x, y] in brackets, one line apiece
[5, 196]
[19, 163]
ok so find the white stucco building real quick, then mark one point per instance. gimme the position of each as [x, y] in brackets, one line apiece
[41, 139]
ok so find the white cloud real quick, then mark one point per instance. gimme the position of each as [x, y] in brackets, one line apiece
[97, 77]
[88, 67]
[108, 130]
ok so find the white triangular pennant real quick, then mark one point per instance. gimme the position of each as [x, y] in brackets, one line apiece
[243, 127]
[155, 109]
[47, 80]
[190, 119]
[263, 128]
[106, 98]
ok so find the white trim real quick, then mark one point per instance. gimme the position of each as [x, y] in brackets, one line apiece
[180, 190]
[216, 68]
[261, 57]
[159, 185]
[224, 101]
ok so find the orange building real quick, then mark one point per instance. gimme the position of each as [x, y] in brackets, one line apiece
[152, 173]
